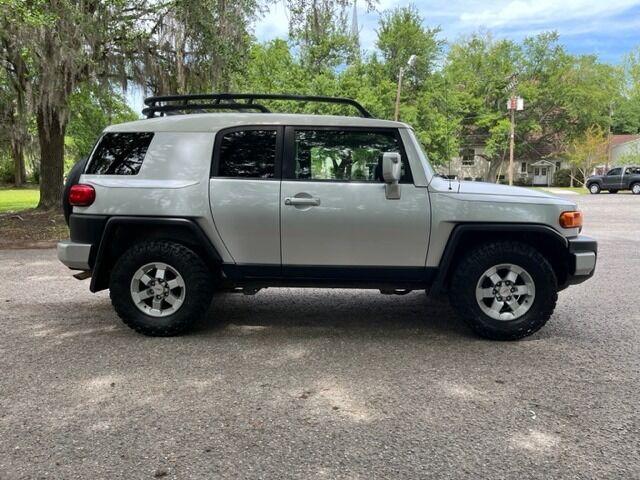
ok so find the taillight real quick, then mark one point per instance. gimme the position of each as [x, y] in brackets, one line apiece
[81, 195]
[571, 219]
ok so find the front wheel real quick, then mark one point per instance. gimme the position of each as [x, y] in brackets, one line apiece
[635, 188]
[594, 188]
[160, 288]
[504, 290]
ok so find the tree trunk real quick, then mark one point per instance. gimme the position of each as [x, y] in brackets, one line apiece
[51, 137]
[494, 166]
[19, 172]
[571, 175]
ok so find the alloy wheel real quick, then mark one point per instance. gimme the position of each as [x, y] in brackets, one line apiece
[157, 289]
[505, 292]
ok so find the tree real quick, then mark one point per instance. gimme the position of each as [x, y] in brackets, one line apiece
[588, 151]
[13, 104]
[477, 72]
[194, 45]
[92, 107]
[64, 43]
[400, 35]
[320, 28]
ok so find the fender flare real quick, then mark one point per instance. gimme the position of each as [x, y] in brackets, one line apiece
[99, 277]
[460, 230]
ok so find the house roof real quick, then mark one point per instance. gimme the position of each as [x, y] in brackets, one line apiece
[620, 139]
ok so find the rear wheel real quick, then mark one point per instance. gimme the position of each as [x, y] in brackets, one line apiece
[635, 188]
[504, 290]
[160, 288]
[594, 188]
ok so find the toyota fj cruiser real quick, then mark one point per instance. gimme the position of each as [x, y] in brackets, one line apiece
[168, 209]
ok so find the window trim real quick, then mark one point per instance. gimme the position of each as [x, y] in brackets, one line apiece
[288, 160]
[217, 143]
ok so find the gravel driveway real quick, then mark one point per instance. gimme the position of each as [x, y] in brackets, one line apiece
[300, 383]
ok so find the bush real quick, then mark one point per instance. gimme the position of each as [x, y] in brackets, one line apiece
[523, 182]
[562, 178]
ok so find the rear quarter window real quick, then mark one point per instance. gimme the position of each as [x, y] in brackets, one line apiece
[119, 153]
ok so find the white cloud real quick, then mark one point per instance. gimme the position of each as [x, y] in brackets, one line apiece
[274, 24]
[613, 19]
[527, 12]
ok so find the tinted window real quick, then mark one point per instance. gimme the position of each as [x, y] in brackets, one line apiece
[248, 154]
[120, 153]
[347, 155]
[615, 171]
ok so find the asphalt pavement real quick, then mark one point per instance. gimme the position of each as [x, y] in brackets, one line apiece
[302, 383]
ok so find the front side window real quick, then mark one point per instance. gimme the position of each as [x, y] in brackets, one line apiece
[119, 153]
[615, 171]
[345, 155]
[248, 154]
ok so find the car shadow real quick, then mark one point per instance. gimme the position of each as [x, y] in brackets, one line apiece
[331, 311]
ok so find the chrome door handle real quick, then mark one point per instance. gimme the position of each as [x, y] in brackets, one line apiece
[304, 201]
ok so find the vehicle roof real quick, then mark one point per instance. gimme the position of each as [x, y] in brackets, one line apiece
[209, 122]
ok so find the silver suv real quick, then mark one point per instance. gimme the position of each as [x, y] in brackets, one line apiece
[171, 208]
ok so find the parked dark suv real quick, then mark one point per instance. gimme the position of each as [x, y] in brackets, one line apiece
[616, 179]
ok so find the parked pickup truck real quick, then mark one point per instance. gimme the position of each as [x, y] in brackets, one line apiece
[616, 179]
[171, 208]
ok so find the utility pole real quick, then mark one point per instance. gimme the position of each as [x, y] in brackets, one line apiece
[512, 143]
[400, 75]
[514, 103]
[410, 64]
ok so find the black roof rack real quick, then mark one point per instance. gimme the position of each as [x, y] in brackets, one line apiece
[233, 101]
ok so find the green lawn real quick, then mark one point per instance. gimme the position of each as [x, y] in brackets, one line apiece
[15, 199]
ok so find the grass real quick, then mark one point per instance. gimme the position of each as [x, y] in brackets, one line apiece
[16, 199]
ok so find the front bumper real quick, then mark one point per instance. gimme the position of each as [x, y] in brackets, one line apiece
[74, 255]
[583, 253]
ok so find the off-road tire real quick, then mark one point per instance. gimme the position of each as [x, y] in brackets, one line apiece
[479, 260]
[198, 288]
[594, 188]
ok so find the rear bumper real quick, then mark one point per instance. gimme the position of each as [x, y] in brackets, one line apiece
[583, 254]
[74, 255]
[79, 252]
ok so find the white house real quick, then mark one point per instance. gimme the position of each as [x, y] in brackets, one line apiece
[537, 169]
[623, 150]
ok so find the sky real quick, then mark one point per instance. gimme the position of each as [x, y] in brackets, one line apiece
[608, 28]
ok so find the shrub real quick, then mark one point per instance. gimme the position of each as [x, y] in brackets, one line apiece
[562, 178]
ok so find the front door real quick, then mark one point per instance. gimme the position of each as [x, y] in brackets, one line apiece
[335, 216]
[244, 193]
[540, 176]
[613, 178]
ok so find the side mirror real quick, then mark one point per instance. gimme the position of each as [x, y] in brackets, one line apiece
[391, 171]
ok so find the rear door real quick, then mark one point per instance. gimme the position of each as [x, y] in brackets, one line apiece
[244, 193]
[335, 216]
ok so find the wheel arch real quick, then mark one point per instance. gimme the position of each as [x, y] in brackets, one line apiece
[468, 235]
[120, 233]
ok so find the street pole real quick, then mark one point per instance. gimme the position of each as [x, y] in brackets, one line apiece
[512, 144]
[400, 74]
